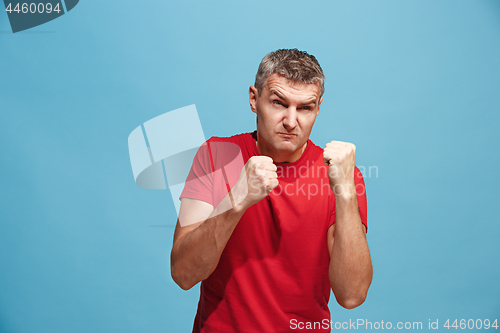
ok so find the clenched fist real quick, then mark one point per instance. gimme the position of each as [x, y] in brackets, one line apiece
[341, 160]
[257, 179]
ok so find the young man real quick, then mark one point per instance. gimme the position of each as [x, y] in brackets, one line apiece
[291, 226]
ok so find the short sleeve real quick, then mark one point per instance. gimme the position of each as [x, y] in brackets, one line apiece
[199, 182]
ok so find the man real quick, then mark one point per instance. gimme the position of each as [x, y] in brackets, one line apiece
[289, 228]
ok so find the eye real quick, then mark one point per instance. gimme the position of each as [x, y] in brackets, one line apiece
[277, 102]
[307, 108]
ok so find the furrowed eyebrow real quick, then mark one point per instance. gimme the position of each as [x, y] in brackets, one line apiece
[279, 95]
[309, 102]
[312, 101]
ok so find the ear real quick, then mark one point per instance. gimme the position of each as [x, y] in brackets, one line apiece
[319, 105]
[253, 95]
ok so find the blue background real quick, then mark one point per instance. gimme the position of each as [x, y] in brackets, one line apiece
[414, 84]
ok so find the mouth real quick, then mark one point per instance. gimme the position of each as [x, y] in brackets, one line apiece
[287, 135]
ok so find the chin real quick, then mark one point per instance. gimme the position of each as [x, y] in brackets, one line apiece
[287, 147]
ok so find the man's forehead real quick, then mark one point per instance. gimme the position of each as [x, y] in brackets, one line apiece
[279, 84]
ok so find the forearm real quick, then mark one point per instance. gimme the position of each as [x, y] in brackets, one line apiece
[195, 255]
[350, 270]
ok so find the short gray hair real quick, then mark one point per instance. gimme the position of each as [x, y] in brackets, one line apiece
[295, 65]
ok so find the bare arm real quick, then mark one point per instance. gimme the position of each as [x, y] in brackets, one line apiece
[350, 270]
[201, 233]
[197, 247]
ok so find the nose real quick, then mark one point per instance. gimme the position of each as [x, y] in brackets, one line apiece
[290, 119]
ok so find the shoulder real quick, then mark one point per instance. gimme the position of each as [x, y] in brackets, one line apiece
[243, 137]
[313, 146]
[226, 149]
[244, 141]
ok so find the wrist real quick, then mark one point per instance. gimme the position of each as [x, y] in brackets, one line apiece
[241, 207]
[345, 189]
[345, 197]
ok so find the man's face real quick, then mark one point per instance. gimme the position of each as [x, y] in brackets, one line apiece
[286, 112]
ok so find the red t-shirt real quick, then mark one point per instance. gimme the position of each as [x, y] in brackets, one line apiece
[273, 272]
